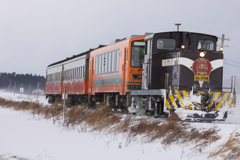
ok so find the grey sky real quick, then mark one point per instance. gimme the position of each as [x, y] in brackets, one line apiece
[36, 33]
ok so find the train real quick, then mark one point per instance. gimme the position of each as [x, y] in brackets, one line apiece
[152, 74]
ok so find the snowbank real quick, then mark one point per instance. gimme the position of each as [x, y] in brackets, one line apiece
[23, 135]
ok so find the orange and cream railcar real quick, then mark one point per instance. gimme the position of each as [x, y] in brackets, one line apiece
[53, 84]
[72, 74]
[116, 69]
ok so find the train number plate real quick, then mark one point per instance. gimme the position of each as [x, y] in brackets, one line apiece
[201, 78]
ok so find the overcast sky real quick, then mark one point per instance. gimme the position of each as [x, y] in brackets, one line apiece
[36, 33]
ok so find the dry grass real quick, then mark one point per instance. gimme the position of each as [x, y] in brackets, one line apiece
[172, 130]
[101, 118]
[230, 150]
[76, 115]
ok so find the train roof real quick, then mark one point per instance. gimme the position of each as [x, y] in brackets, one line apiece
[75, 56]
[179, 32]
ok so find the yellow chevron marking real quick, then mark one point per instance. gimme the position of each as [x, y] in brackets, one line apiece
[216, 96]
[172, 100]
[234, 105]
[230, 101]
[186, 98]
[201, 91]
[210, 104]
[167, 104]
[179, 99]
[235, 101]
[210, 94]
[222, 100]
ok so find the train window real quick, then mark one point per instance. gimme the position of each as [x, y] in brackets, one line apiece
[96, 65]
[117, 59]
[80, 73]
[106, 62]
[103, 63]
[126, 55]
[100, 64]
[166, 44]
[206, 45]
[66, 75]
[76, 77]
[110, 62]
[149, 47]
[75, 73]
[113, 61]
[137, 53]
[83, 72]
[69, 75]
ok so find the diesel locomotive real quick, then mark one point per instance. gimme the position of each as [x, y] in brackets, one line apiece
[154, 74]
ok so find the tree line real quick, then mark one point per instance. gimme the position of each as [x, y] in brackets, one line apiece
[8, 80]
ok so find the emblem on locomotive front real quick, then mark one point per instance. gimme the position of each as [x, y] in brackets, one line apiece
[201, 69]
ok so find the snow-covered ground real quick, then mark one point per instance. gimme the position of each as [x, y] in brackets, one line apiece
[25, 136]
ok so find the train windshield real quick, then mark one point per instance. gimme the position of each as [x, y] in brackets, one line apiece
[206, 45]
[166, 44]
[137, 53]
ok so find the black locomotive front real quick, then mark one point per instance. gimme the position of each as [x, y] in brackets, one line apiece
[184, 61]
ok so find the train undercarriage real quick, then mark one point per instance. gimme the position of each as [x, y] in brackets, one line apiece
[189, 105]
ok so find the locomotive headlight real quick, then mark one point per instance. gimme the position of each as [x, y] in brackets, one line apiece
[221, 48]
[182, 46]
[202, 54]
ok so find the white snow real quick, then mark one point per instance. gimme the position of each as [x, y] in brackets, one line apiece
[23, 135]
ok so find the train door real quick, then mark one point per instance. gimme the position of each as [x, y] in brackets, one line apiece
[62, 79]
[91, 72]
[124, 68]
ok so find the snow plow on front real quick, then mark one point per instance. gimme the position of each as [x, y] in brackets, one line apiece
[189, 105]
[201, 106]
